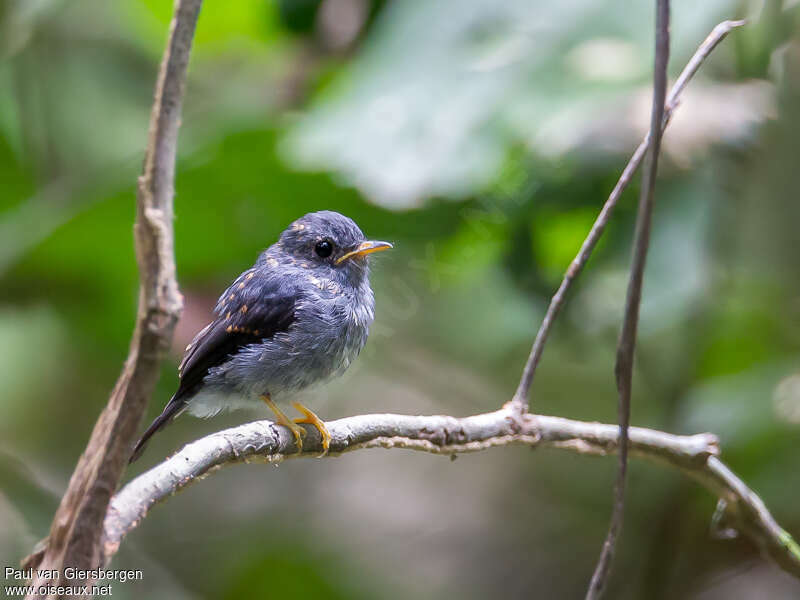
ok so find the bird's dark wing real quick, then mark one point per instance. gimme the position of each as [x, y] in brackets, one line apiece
[252, 309]
[255, 307]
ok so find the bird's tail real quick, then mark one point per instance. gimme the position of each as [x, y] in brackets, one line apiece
[173, 408]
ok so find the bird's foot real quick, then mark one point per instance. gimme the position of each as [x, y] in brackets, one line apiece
[281, 419]
[310, 418]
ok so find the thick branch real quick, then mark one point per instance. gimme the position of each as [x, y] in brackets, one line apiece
[263, 441]
[520, 401]
[75, 535]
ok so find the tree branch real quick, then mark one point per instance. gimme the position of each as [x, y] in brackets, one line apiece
[521, 397]
[75, 535]
[627, 337]
[263, 441]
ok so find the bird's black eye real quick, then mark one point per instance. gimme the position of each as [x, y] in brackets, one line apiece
[323, 249]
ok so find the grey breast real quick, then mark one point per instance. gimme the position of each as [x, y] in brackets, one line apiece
[330, 329]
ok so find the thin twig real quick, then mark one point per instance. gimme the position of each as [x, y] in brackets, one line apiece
[627, 339]
[521, 397]
[262, 441]
[76, 532]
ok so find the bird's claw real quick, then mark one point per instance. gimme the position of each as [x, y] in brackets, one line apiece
[311, 419]
[281, 419]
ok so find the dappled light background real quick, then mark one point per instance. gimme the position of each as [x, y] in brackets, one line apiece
[481, 138]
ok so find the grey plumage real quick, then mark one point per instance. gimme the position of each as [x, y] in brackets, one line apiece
[298, 317]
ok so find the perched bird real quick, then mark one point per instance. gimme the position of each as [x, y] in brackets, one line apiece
[298, 317]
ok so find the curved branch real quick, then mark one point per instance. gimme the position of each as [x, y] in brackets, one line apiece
[263, 441]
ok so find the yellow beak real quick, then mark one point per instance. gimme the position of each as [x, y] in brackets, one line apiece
[365, 248]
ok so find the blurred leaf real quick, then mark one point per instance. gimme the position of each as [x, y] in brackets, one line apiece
[439, 94]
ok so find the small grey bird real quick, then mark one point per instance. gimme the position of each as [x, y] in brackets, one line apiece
[298, 317]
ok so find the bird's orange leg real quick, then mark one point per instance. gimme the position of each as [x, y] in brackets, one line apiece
[312, 419]
[282, 419]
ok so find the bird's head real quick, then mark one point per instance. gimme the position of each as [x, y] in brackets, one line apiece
[327, 240]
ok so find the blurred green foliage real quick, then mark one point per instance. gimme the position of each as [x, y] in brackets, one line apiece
[482, 138]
